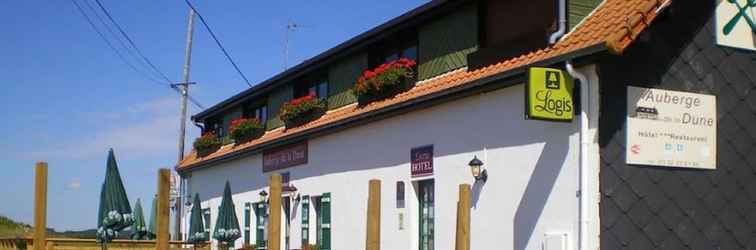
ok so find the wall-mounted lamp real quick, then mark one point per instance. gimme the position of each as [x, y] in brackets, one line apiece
[476, 166]
[263, 196]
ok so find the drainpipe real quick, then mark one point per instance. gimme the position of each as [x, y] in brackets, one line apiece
[562, 15]
[584, 146]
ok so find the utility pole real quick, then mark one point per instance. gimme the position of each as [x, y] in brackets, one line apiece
[184, 88]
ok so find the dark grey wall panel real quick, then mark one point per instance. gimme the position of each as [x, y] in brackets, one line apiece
[644, 207]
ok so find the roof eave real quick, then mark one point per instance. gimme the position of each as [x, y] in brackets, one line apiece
[453, 93]
[341, 49]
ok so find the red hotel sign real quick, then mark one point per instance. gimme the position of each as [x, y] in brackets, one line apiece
[421, 161]
[284, 157]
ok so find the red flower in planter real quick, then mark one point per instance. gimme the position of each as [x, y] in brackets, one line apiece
[207, 141]
[241, 122]
[301, 106]
[387, 74]
[245, 129]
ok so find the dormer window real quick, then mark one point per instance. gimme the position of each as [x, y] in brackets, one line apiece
[401, 45]
[260, 112]
[318, 88]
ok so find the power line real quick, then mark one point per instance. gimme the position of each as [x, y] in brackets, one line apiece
[217, 41]
[153, 75]
[191, 99]
[107, 14]
[89, 20]
[120, 55]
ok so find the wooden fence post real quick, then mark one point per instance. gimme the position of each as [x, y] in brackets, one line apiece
[274, 219]
[373, 237]
[163, 211]
[40, 206]
[462, 240]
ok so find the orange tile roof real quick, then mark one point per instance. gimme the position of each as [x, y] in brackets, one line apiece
[615, 24]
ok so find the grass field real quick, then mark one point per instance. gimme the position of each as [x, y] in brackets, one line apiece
[10, 228]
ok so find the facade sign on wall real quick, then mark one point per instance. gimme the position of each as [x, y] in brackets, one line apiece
[548, 95]
[671, 128]
[285, 157]
[421, 161]
[736, 23]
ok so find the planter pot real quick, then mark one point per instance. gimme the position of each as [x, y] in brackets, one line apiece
[304, 117]
[390, 90]
[256, 133]
[202, 152]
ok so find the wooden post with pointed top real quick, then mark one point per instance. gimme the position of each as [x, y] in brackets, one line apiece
[373, 237]
[163, 211]
[274, 219]
[462, 241]
[40, 206]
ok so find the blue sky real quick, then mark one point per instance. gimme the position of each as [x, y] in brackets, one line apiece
[67, 97]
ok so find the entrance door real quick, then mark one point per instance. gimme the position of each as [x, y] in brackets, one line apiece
[426, 197]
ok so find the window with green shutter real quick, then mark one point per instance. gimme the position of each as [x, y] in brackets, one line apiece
[324, 222]
[206, 216]
[261, 214]
[305, 220]
[247, 219]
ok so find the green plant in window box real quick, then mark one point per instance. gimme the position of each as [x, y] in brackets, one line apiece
[310, 247]
[244, 130]
[302, 110]
[385, 81]
[207, 144]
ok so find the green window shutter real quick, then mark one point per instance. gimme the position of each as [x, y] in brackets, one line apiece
[206, 216]
[325, 203]
[230, 116]
[341, 77]
[247, 219]
[260, 226]
[305, 220]
[579, 9]
[445, 43]
[276, 99]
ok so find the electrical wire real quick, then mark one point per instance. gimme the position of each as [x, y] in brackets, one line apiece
[111, 46]
[119, 39]
[122, 57]
[110, 17]
[217, 41]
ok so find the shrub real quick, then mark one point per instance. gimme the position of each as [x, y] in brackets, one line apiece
[207, 144]
[385, 78]
[248, 247]
[246, 129]
[311, 247]
[301, 110]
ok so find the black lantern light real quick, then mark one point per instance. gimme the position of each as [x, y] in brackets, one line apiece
[263, 196]
[476, 166]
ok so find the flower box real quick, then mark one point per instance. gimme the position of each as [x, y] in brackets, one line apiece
[207, 144]
[302, 110]
[385, 81]
[244, 130]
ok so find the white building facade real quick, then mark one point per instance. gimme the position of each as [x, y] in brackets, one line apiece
[531, 196]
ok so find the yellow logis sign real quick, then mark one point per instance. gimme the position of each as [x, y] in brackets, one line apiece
[549, 95]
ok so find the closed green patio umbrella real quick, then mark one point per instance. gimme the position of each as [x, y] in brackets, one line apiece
[139, 229]
[227, 226]
[152, 229]
[197, 232]
[115, 211]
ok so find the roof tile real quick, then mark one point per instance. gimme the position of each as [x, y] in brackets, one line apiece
[616, 23]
